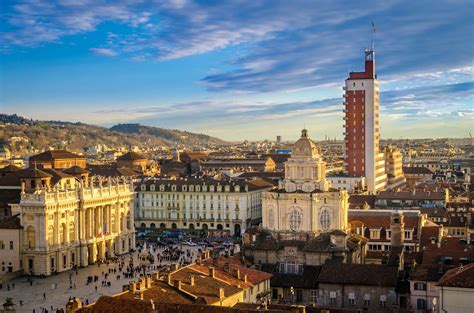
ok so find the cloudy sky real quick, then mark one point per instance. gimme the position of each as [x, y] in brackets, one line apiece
[237, 69]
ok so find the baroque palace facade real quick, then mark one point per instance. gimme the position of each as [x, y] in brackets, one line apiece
[199, 204]
[305, 220]
[305, 201]
[70, 219]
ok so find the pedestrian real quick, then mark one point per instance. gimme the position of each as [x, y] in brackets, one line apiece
[44, 296]
[21, 302]
[95, 288]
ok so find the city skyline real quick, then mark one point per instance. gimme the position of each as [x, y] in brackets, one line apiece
[234, 72]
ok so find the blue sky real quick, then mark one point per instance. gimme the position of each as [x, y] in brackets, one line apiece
[238, 69]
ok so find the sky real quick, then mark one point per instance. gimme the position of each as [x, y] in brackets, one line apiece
[238, 69]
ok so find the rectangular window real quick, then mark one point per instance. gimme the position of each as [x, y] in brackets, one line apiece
[11, 245]
[351, 298]
[367, 299]
[420, 304]
[274, 293]
[299, 295]
[383, 301]
[407, 234]
[374, 234]
[313, 296]
[420, 286]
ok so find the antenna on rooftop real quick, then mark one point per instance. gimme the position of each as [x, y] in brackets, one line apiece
[372, 36]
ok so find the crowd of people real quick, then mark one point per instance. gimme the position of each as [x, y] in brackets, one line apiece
[125, 266]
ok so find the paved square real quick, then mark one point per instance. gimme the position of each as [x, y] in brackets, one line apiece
[32, 296]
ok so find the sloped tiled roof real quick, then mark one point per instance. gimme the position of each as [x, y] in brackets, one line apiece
[461, 277]
[130, 156]
[9, 169]
[358, 274]
[75, 170]
[54, 154]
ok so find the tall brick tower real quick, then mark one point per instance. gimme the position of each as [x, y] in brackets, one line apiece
[361, 136]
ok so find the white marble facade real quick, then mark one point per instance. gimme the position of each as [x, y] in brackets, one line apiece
[305, 201]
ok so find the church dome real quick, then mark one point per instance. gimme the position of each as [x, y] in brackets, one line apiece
[305, 147]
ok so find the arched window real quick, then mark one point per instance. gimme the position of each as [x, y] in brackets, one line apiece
[112, 222]
[122, 221]
[129, 226]
[325, 219]
[72, 232]
[50, 235]
[62, 233]
[31, 237]
[271, 218]
[295, 220]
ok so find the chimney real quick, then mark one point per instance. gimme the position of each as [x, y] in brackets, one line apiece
[191, 280]
[142, 283]
[221, 293]
[178, 284]
[212, 272]
[238, 274]
[175, 266]
[152, 304]
[168, 279]
[397, 228]
[245, 278]
[155, 275]
[132, 286]
[147, 282]
[141, 295]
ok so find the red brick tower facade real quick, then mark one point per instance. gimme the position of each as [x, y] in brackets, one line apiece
[361, 108]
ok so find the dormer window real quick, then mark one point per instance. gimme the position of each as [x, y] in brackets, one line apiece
[219, 188]
[375, 233]
[237, 188]
[173, 188]
[152, 187]
[143, 187]
[227, 188]
[162, 187]
[204, 188]
[211, 188]
[198, 188]
[184, 187]
[191, 188]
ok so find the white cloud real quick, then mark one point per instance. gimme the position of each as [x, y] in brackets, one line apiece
[104, 52]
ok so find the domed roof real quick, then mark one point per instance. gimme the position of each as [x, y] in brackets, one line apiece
[305, 147]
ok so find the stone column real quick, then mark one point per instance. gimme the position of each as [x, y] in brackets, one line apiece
[101, 249]
[94, 253]
[84, 261]
[110, 247]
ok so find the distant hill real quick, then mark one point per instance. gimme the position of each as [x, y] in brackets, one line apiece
[20, 134]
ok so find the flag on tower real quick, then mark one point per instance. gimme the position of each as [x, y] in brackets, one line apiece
[373, 27]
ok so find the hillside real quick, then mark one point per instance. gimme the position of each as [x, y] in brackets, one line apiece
[20, 134]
